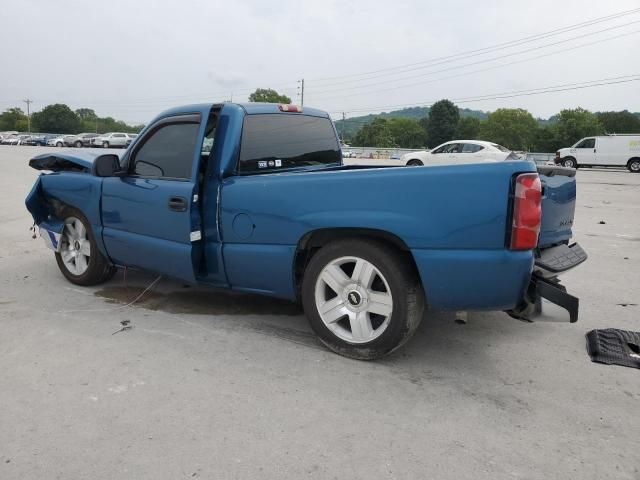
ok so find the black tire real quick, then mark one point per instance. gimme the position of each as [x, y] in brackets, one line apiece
[634, 165]
[569, 162]
[99, 268]
[58, 144]
[407, 296]
[415, 163]
[78, 144]
[105, 144]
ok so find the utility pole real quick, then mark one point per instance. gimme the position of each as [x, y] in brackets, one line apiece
[342, 130]
[28, 102]
[301, 88]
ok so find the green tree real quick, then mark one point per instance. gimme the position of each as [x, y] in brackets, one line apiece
[572, 125]
[443, 122]
[545, 140]
[468, 128]
[406, 133]
[86, 114]
[57, 118]
[13, 119]
[374, 134]
[268, 95]
[514, 128]
[619, 122]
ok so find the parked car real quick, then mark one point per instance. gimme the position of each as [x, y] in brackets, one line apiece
[27, 140]
[603, 151]
[363, 249]
[459, 152]
[348, 154]
[80, 140]
[132, 137]
[24, 139]
[60, 140]
[108, 140]
[11, 140]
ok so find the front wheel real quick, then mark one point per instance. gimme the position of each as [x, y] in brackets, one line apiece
[58, 144]
[634, 165]
[569, 162]
[78, 144]
[105, 144]
[362, 298]
[79, 259]
[414, 163]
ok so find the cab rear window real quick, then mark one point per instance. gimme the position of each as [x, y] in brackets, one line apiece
[272, 142]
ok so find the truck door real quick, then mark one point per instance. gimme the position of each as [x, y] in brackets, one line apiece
[150, 214]
[585, 152]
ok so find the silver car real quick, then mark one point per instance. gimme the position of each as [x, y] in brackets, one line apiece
[111, 139]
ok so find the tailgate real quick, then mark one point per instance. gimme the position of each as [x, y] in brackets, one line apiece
[558, 204]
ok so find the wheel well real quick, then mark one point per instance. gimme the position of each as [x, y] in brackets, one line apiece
[632, 159]
[415, 160]
[313, 241]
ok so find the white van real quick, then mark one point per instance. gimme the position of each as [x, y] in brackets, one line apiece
[606, 151]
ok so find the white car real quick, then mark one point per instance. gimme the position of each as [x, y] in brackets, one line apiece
[11, 140]
[459, 152]
[59, 141]
[109, 140]
[621, 150]
[348, 154]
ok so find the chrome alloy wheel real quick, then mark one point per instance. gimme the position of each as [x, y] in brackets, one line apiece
[353, 299]
[634, 166]
[75, 247]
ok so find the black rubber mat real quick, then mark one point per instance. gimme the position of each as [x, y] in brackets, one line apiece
[613, 346]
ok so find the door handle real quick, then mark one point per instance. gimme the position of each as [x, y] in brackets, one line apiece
[178, 204]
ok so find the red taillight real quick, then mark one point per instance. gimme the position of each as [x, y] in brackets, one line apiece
[290, 108]
[527, 212]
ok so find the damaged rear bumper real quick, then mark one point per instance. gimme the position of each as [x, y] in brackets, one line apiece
[545, 283]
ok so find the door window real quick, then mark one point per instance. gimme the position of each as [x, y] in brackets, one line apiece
[446, 148]
[587, 143]
[168, 152]
[471, 148]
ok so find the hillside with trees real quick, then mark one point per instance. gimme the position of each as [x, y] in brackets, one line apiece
[515, 128]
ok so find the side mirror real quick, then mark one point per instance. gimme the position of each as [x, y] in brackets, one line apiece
[106, 165]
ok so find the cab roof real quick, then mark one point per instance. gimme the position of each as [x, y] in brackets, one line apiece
[249, 108]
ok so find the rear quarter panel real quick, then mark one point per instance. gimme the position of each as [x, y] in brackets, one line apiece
[431, 209]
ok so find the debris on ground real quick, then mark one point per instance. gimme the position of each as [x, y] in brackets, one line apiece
[614, 347]
[125, 326]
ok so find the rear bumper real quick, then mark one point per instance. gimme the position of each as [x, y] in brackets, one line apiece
[559, 259]
[545, 283]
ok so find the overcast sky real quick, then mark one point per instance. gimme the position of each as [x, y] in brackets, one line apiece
[132, 59]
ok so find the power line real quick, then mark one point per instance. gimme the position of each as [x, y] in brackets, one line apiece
[491, 48]
[512, 94]
[493, 67]
[477, 62]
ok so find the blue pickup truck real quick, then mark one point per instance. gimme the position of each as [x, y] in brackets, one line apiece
[255, 198]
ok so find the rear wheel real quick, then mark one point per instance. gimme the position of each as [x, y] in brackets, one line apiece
[78, 144]
[634, 165]
[362, 298]
[414, 163]
[569, 162]
[79, 259]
